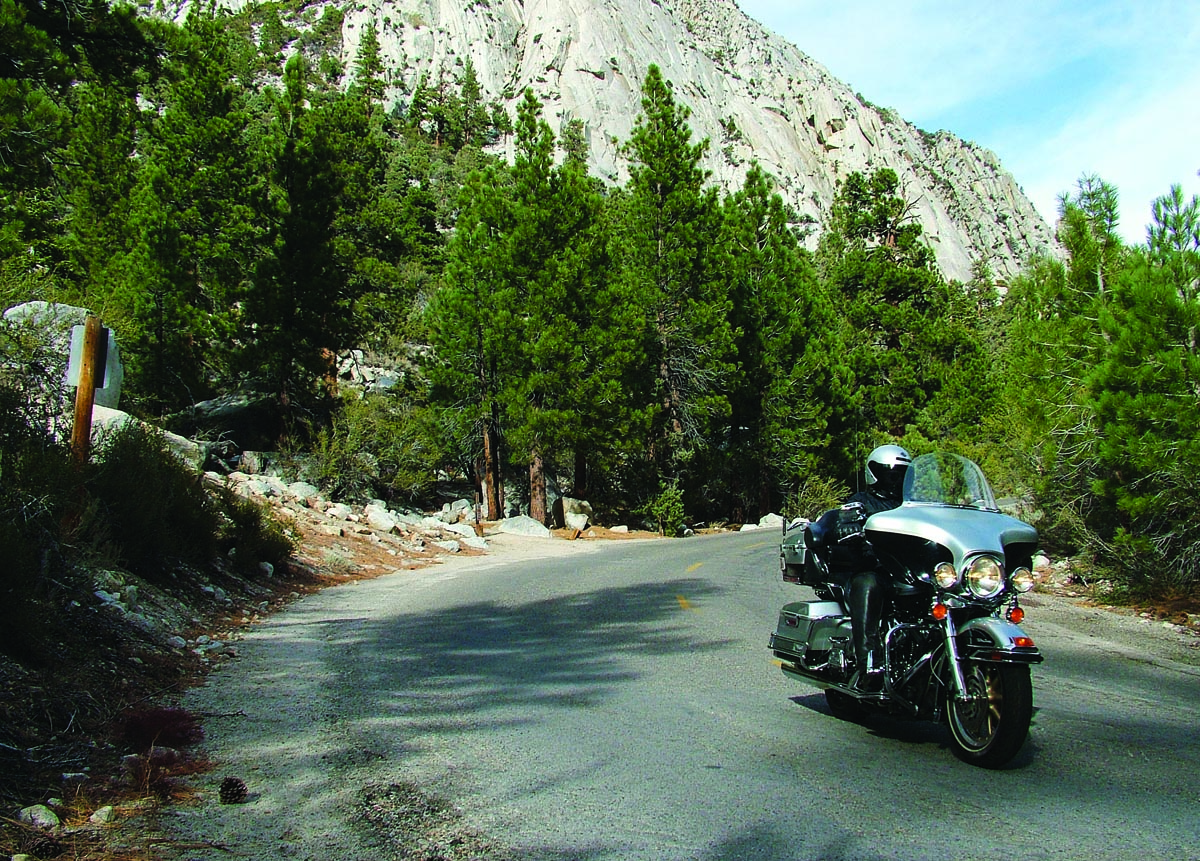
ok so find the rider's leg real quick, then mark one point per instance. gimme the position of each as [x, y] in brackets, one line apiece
[866, 604]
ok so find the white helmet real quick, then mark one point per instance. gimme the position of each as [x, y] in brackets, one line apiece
[886, 466]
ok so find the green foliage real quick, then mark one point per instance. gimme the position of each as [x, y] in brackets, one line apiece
[147, 506]
[1100, 379]
[892, 302]
[249, 533]
[784, 389]
[242, 223]
[369, 68]
[379, 446]
[1143, 396]
[814, 496]
[668, 265]
[667, 511]
[36, 485]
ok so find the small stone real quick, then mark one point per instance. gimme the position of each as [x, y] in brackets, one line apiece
[103, 816]
[39, 816]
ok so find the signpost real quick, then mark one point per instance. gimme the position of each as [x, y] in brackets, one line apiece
[92, 355]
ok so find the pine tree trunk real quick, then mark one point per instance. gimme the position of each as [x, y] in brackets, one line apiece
[537, 488]
[491, 473]
[579, 483]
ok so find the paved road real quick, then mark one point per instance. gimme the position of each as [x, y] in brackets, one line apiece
[621, 703]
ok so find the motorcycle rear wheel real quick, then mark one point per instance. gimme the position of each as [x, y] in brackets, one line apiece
[843, 706]
[991, 727]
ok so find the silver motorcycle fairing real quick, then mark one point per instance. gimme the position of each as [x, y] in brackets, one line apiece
[965, 532]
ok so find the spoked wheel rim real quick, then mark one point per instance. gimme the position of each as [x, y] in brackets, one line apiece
[991, 725]
[976, 722]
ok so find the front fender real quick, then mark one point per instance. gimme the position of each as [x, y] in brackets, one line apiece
[996, 640]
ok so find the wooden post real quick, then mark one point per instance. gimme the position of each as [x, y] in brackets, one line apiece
[85, 393]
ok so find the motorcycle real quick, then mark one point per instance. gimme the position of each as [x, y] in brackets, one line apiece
[951, 642]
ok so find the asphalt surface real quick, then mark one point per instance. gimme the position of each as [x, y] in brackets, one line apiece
[575, 700]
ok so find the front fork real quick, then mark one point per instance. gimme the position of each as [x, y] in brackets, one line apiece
[960, 683]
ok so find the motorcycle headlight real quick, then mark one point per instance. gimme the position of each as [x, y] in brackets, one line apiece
[985, 577]
[1022, 579]
[945, 575]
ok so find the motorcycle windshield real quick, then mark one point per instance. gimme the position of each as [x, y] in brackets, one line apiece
[941, 478]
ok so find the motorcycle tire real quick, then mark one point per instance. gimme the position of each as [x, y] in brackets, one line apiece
[989, 729]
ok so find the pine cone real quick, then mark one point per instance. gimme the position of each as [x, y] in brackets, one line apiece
[233, 790]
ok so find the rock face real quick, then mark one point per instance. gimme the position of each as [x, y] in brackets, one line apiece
[754, 95]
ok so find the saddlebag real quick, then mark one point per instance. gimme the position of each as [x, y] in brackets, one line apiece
[808, 626]
[792, 552]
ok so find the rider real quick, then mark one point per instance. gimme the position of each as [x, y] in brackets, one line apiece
[884, 471]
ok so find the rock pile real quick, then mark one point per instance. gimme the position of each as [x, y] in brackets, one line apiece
[400, 531]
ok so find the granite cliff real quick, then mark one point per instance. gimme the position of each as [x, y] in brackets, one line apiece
[754, 95]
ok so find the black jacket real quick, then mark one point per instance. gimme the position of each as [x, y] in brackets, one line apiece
[827, 536]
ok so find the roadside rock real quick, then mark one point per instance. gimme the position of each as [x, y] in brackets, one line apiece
[523, 525]
[40, 816]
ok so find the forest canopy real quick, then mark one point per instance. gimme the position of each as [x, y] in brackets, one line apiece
[244, 211]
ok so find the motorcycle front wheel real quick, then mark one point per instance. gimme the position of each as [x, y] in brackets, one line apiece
[991, 725]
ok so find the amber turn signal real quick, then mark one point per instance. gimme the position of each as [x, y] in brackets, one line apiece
[940, 611]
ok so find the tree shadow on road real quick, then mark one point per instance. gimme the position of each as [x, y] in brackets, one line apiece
[457, 665]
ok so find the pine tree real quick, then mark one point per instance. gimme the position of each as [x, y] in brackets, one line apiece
[102, 175]
[369, 69]
[327, 168]
[1174, 239]
[465, 319]
[786, 382]
[668, 230]
[881, 274]
[513, 328]
[194, 221]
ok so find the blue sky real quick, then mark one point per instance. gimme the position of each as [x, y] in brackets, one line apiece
[1056, 88]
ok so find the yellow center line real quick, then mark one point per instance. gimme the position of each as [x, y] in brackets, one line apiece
[693, 567]
[684, 603]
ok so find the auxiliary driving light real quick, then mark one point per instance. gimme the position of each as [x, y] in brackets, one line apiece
[1022, 579]
[945, 575]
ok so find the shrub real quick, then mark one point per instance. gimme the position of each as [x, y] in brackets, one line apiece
[378, 446]
[816, 495]
[249, 534]
[35, 486]
[667, 511]
[147, 505]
